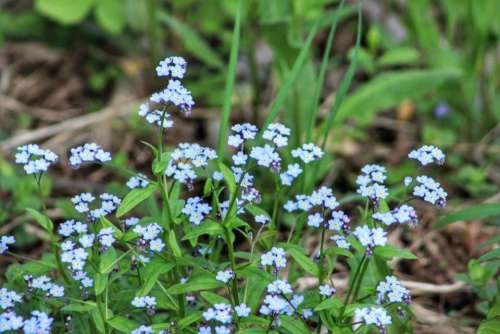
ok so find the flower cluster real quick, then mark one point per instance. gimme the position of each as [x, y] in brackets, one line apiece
[44, 284]
[225, 276]
[242, 133]
[185, 158]
[196, 210]
[39, 323]
[430, 191]
[391, 290]
[147, 302]
[87, 153]
[321, 198]
[266, 156]
[277, 133]
[175, 93]
[223, 314]
[10, 321]
[371, 183]
[308, 153]
[174, 67]
[70, 227]
[293, 171]
[149, 238]
[9, 298]
[34, 158]
[405, 214]
[370, 237]
[156, 116]
[74, 256]
[143, 329]
[5, 241]
[276, 302]
[138, 181]
[262, 219]
[275, 257]
[109, 203]
[106, 238]
[326, 290]
[377, 316]
[427, 154]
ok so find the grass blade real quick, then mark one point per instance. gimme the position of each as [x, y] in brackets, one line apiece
[193, 41]
[473, 212]
[322, 71]
[297, 66]
[228, 91]
[344, 86]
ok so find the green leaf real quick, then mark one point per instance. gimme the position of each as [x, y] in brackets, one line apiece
[209, 227]
[399, 56]
[110, 14]
[322, 72]
[489, 327]
[495, 253]
[122, 324]
[107, 261]
[389, 251]
[64, 11]
[252, 331]
[294, 326]
[344, 86]
[389, 89]
[190, 319]
[134, 198]
[98, 320]
[472, 212]
[41, 219]
[213, 298]
[100, 282]
[228, 90]
[330, 303]
[256, 211]
[151, 273]
[196, 284]
[228, 178]
[338, 251]
[298, 254]
[280, 99]
[193, 41]
[83, 307]
[174, 246]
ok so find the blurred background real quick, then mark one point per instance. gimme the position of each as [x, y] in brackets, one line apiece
[426, 72]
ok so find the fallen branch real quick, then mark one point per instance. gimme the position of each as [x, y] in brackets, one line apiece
[71, 124]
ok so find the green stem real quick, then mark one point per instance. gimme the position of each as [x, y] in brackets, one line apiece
[230, 249]
[358, 285]
[53, 237]
[349, 292]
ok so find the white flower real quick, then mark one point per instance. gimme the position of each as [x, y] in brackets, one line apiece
[262, 219]
[326, 290]
[35, 159]
[5, 241]
[308, 153]
[88, 153]
[225, 276]
[242, 310]
[427, 154]
[277, 133]
[138, 181]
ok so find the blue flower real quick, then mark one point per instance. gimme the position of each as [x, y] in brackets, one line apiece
[35, 159]
[5, 241]
[88, 153]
